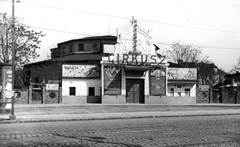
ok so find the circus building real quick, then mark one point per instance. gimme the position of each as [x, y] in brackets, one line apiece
[133, 72]
[126, 68]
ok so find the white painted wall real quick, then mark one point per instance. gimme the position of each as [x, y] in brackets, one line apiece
[182, 89]
[81, 86]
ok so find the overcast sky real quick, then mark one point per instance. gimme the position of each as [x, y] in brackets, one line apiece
[212, 24]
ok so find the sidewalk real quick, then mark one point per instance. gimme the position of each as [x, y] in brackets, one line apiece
[66, 112]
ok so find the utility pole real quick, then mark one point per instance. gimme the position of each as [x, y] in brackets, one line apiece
[12, 116]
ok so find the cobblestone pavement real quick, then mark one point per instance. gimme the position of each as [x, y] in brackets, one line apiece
[196, 131]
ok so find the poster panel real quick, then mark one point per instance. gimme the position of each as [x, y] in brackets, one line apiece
[112, 80]
[182, 73]
[80, 71]
[158, 82]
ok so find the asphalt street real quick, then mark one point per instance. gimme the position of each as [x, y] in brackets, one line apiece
[223, 130]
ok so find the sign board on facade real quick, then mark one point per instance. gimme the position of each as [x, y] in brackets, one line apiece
[52, 86]
[158, 82]
[133, 48]
[80, 71]
[112, 80]
[53, 81]
[182, 74]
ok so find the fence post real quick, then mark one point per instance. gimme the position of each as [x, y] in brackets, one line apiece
[30, 92]
[60, 95]
[43, 94]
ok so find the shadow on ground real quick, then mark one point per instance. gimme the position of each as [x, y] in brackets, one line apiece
[94, 139]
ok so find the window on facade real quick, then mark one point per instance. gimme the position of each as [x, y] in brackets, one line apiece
[87, 46]
[72, 90]
[37, 80]
[70, 48]
[80, 47]
[179, 86]
[187, 92]
[94, 46]
[172, 92]
[63, 49]
[91, 91]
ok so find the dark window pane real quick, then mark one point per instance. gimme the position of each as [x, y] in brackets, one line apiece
[94, 46]
[72, 90]
[91, 91]
[70, 48]
[80, 47]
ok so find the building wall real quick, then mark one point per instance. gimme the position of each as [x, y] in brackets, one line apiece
[121, 99]
[113, 99]
[22, 97]
[182, 89]
[228, 95]
[202, 96]
[51, 96]
[65, 48]
[170, 100]
[81, 90]
[238, 95]
[231, 95]
[45, 71]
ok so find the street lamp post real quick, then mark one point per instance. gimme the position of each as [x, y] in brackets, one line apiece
[12, 116]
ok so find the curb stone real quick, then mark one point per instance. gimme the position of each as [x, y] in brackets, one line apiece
[110, 118]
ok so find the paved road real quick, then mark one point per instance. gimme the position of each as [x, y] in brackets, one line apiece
[166, 131]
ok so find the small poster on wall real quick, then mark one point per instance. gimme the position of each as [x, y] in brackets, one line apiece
[112, 80]
[52, 86]
[158, 82]
[80, 71]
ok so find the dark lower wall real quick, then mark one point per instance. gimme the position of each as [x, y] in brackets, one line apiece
[170, 100]
[113, 99]
[74, 99]
[202, 96]
[93, 99]
[238, 95]
[22, 97]
[231, 95]
[51, 97]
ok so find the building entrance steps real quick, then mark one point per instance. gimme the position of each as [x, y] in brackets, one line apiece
[73, 112]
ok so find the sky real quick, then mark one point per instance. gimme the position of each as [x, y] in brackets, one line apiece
[212, 25]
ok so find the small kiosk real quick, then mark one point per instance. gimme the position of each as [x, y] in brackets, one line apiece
[5, 86]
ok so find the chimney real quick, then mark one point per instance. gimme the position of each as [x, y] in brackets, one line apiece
[180, 61]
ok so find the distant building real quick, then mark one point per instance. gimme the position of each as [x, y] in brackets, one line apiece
[229, 89]
[208, 75]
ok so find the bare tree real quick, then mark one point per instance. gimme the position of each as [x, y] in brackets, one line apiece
[187, 53]
[236, 67]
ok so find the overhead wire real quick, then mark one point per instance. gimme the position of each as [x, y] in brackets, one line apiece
[222, 3]
[154, 42]
[150, 21]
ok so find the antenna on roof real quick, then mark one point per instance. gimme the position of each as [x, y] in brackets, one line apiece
[132, 21]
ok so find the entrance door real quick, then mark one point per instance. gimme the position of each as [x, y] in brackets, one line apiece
[135, 91]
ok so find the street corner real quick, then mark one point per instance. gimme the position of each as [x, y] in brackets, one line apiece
[5, 118]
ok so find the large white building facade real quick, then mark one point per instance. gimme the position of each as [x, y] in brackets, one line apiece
[128, 68]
